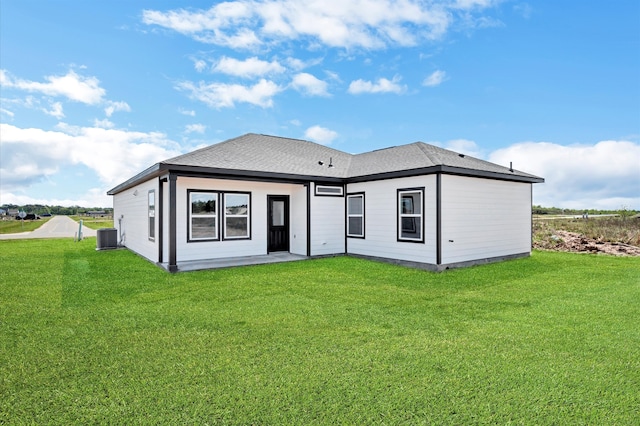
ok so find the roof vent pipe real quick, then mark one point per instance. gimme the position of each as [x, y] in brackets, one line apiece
[511, 166]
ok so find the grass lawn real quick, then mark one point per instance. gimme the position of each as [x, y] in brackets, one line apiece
[94, 222]
[93, 337]
[17, 226]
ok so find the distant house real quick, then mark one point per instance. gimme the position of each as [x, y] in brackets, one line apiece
[96, 213]
[414, 204]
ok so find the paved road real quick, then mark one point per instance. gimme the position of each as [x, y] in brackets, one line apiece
[56, 227]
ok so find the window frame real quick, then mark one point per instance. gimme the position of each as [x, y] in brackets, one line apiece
[400, 215]
[224, 216]
[151, 214]
[360, 215]
[216, 215]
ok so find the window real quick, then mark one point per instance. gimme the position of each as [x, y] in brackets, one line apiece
[203, 215]
[152, 215]
[331, 191]
[236, 215]
[355, 215]
[410, 215]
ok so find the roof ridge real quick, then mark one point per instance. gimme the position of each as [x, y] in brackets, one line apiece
[421, 146]
[301, 140]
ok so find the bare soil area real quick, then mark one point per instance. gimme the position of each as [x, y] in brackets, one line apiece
[578, 243]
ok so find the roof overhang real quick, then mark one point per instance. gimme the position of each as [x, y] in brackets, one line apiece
[162, 169]
[449, 170]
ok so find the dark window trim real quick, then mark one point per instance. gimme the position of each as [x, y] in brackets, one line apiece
[200, 240]
[223, 216]
[151, 230]
[317, 194]
[355, 194]
[398, 226]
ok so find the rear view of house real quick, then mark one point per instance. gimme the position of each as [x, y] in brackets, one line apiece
[414, 204]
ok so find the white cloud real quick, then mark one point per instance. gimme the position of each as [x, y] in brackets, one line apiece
[104, 124]
[195, 128]
[116, 106]
[199, 65]
[221, 95]
[298, 64]
[435, 78]
[251, 67]
[464, 146]
[7, 112]
[55, 111]
[309, 85]
[75, 87]
[190, 113]
[30, 155]
[369, 24]
[383, 85]
[605, 175]
[320, 134]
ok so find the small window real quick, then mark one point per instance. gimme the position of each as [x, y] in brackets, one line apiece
[203, 215]
[410, 215]
[236, 215]
[355, 215]
[152, 215]
[331, 191]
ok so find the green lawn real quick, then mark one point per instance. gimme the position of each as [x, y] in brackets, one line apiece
[105, 337]
[11, 226]
[94, 222]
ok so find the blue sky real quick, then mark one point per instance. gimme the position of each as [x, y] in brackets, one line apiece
[93, 92]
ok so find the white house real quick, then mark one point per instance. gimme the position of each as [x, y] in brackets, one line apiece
[414, 204]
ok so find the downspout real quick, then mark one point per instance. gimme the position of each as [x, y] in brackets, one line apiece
[173, 264]
[308, 185]
[438, 219]
[161, 182]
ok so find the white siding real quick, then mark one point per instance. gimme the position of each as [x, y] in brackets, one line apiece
[381, 220]
[484, 218]
[298, 220]
[327, 225]
[257, 245]
[132, 206]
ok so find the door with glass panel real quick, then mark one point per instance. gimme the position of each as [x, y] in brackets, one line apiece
[278, 220]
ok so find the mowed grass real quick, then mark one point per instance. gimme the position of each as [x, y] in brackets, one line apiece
[105, 337]
[13, 226]
[94, 222]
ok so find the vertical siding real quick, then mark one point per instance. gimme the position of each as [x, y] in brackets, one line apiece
[484, 218]
[327, 224]
[257, 245]
[134, 224]
[381, 223]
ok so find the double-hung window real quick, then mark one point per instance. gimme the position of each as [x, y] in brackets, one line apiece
[203, 215]
[411, 214]
[355, 215]
[236, 215]
[152, 214]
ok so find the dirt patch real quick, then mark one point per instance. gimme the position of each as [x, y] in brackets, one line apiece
[578, 243]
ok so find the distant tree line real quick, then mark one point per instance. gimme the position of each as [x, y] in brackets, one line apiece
[623, 211]
[40, 209]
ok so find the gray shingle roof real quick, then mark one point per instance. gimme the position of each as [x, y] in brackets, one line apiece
[268, 156]
[263, 153]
